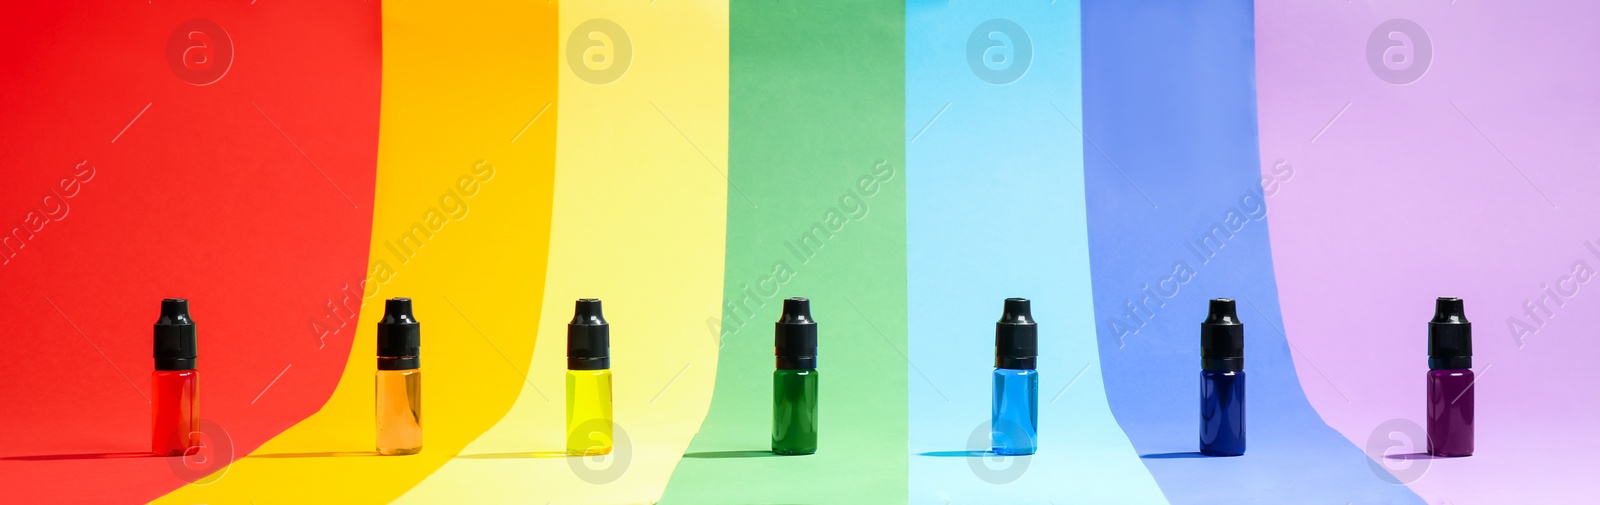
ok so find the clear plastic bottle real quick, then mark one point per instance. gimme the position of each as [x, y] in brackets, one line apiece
[175, 384]
[1450, 380]
[794, 382]
[398, 385]
[589, 423]
[1222, 381]
[1014, 416]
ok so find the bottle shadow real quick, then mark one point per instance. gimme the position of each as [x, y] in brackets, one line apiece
[518, 455]
[1414, 455]
[331, 454]
[1173, 455]
[960, 454]
[729, 454]
[88, 455]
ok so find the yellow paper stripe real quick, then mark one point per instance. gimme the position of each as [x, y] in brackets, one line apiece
[640, 212]
[460, 225]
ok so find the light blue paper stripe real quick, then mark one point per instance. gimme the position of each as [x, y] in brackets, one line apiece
[996, 209]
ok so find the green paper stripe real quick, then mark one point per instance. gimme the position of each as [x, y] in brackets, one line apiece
[816, 208]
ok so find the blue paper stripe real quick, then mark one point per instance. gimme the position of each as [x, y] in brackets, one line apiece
[1169, 99]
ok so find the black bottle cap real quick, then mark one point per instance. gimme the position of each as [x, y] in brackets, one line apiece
[795, 336]
[1222, 338]
[1449, 336]
[588, 338]
[175, 336]
[1016, 337]
[399, 337]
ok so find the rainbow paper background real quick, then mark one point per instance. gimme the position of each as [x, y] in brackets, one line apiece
[906, 165]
